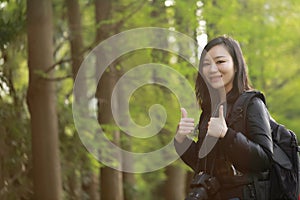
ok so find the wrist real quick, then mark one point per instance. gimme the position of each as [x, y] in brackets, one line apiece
[223, 133]
[179, 138]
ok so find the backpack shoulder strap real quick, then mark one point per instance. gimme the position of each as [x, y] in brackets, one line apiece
[239, 109]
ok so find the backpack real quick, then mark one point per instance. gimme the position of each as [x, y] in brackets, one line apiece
[284, 173]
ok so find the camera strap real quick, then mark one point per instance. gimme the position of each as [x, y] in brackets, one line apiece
[204, 119]
[211, 170]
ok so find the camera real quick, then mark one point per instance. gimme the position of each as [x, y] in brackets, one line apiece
[203, 186]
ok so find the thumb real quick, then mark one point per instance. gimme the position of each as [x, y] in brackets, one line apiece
[221, 111]
[184, 113]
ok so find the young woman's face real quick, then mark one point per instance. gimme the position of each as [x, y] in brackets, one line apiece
[218, 68]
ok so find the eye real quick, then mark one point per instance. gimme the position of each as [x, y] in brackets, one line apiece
[221, 61]
[205, 64]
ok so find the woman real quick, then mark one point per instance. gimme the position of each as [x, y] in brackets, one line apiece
[240, 161]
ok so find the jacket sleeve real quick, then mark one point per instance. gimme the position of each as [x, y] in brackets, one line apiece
[252, 154]
[187, 150]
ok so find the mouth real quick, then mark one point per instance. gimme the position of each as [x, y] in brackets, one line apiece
[214, 79]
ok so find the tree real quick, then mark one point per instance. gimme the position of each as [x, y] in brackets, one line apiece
[175, 183]
[89, 186]
[41, 100]
[110, 179]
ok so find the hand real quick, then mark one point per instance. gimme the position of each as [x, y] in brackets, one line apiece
[217, 126]
[185, 126]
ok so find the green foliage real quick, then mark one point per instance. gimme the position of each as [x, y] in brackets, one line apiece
[149, 185]
[268, 32]
[12, 21]
[15, 137]
[15, 153]
[269, 37]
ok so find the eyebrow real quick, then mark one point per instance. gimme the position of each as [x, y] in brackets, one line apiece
[219, 57]
[206, 59]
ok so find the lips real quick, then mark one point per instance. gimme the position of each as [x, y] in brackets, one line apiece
[214, 79]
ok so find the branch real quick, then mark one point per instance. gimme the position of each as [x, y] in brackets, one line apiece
[115, 24]
[134, 11]
[88, 48]
[92, 45]
[58, 63]
[57, 78]
[60, 44]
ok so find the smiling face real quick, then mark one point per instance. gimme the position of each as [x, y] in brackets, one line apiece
[218, 68]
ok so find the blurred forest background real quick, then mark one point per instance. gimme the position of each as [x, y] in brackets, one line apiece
[43, 43]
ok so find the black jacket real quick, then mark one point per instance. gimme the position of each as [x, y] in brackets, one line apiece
[249, 152]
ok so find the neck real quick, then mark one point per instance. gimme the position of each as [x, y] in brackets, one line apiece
[222, 94]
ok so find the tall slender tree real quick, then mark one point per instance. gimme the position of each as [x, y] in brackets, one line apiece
[41, 100]
[2, 153]
[90, 183]
[110, 179]
[174, 185]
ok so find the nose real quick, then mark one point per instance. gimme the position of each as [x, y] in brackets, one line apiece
[213, 67]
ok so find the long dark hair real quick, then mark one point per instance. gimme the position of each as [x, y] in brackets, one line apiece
[240, 82]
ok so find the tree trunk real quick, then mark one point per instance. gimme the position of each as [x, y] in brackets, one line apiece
[110, 179]
[111, 184]
[2, 156]
[89, 184]
[129, 184]
[175, 183]
[189, 177]
[102, 13]
[74, 185]
[76, 43]
[41, 101]
[129, 181]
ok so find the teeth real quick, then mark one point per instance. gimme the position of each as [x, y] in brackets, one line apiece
[217, 78]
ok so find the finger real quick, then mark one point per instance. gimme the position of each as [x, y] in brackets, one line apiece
[185, 130]
[187, 120]
[185, 124]
[184, 113]
[221, 112]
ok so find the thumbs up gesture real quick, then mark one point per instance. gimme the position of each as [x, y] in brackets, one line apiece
[185, 126]
[217, 126]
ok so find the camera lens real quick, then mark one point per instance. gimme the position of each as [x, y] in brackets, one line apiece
[197, 194]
